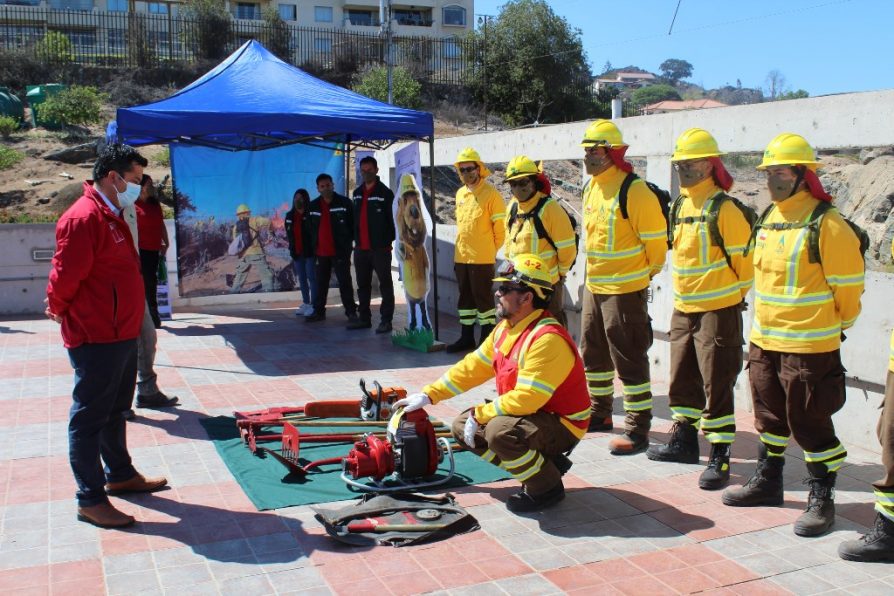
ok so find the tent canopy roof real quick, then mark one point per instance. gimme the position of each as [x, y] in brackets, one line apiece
[253, 100]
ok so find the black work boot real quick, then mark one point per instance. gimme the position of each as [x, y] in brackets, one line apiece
[682, 446]
[716, 475]
[877, 545]
[485, 331]
[820, 513]
[763, 488]
[522, 502]
[465, 342]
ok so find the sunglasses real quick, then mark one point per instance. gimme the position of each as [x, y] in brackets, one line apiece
[468, 170]
[507, 289]
[518, 183]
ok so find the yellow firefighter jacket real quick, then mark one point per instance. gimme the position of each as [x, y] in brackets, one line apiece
[480, 225]
[622, 254]
[522, 238]
[541, 369]
[255, 224]
[802, 307]
[703, 280]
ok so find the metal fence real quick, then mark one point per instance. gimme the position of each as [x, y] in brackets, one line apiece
[148, 40]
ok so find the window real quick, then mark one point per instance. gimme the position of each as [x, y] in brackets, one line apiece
[20, 35]
[82, 41]
[72, 4]
[248, 11]
[157, 7]
[455, 16]
[116, 40]
[415, 18]
[361, 17]
[452, 49]
[117, 6]
[323, 45]
[288, 12]
[323, 14]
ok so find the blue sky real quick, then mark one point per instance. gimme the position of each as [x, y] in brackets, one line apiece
[822, 46]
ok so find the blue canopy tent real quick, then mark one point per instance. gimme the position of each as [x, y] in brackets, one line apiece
[254, 101]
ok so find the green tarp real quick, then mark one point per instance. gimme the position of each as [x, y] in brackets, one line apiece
[269, 484]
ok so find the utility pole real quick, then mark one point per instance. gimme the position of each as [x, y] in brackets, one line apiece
[482, 20]
[385, 24]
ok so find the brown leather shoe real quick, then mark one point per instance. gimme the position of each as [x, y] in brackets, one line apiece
[628, 443]
[137, 484]
[104, 515]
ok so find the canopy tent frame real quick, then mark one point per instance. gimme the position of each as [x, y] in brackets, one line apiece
[270, 93]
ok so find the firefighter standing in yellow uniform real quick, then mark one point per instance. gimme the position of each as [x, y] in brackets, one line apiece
[623, 254]
[878, 544]
[555, 242]
[542, 408]
[253, 254]
[711, 279]
[480, 232]
[808, 278]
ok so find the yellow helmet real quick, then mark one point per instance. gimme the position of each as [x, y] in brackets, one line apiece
[529, 270]
[603, 132]
[695, 143]
[789, 149]
[521, 166]
[408, 184]
[243, 208]
[469, 154]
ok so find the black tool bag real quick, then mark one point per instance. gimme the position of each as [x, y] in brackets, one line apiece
[431, 518]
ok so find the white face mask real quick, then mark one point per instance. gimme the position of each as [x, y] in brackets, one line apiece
[130, 194]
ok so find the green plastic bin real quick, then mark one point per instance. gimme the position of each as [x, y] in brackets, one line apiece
[36, 95]
[11, 105]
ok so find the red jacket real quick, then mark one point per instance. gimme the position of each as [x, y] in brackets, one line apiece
[95, 282]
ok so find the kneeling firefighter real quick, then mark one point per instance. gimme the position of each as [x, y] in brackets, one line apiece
[543, 407]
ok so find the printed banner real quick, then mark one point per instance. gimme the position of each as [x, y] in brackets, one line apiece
[413, 225]
[230, 212]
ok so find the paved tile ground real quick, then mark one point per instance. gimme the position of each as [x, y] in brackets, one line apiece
[628, 525]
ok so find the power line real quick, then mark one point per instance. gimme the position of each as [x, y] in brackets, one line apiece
[693, 29]
[674, 20]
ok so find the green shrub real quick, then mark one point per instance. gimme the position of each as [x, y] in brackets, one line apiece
[75, 106]
[9, 157]
[54, 47]
[404, 88]
[8, 125]
[163, 158]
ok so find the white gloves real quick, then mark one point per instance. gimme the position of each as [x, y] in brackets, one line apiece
[416, 401]
[469, 431]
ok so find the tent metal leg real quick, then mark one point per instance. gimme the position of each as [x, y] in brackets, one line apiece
[434, 228]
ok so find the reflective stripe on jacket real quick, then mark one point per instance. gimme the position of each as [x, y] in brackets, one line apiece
[703, 280]
[480, 224]
[543, 366]
[802, 307]
[622, 254]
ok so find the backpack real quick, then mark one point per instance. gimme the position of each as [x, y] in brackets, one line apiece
[534, 216]
[813, 225]
[664, 197]
[711, 217]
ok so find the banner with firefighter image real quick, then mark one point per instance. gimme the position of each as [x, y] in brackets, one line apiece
[230, 209]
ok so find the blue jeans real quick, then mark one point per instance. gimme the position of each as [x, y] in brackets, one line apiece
[306, 276]
[105, 376]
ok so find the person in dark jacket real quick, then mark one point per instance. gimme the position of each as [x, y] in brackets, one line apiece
[330, 230]
[302, 252]
[96, 293]
[373, 234]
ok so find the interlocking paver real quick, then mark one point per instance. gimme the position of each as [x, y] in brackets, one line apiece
[628, 525]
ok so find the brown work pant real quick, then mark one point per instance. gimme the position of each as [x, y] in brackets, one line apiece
[706, 358]
[476, 293]
[557, 303]
[616, 333]
[522, 445]
[885, 431]
[796, 395]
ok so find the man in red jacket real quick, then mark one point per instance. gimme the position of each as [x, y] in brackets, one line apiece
[96, 293]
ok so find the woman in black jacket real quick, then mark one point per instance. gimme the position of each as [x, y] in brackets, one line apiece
[301, 249]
